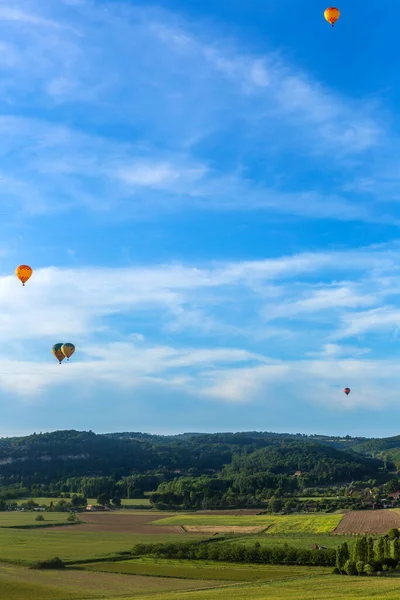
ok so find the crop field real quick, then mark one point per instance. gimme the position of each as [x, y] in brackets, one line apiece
[127, 521]
[279, 524]
[368, 521]
[19, 583]
[205, 570]
[207, 530]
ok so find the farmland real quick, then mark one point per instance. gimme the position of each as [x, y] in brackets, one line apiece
[375, 522]
[93, 550]
[28, 519]
[19, 583]
[205, 570]
[101, 535]
[315, 588]
[274, 524]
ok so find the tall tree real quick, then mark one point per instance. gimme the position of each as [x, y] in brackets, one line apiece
[396, 549]
[370, 551]
[380, 549]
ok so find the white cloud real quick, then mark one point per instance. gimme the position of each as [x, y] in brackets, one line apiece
[119, 320]
[187, 88]
[382, 320]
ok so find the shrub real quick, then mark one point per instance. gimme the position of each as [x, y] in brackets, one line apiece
[360, 567]
[350, 567]
[393, 533]
[368, 569]
[39, 518]
[335, 571]
[390, 562]
[52, 563]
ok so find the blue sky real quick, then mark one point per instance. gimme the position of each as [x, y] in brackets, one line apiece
[209, 196]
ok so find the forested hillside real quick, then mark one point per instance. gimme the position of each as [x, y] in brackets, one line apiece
[188, 470]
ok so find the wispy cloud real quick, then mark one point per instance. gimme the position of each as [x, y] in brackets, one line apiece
[179, 93]
[118, 318]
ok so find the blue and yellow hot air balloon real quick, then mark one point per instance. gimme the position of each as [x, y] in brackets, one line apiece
[68, 349]
[56, 350]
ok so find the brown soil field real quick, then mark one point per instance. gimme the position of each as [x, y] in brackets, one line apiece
[376, 522]
[222, 529]
[117, 522]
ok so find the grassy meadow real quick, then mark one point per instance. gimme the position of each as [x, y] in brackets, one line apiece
[308, 588]
[70, 544]
[204, 569]
[299, 540]
[28, 519]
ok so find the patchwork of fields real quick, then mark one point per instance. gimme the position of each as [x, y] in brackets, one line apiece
[270, 524]
[91, 550]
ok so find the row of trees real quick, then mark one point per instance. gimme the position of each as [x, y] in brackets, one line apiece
[238, 553]
[364, 557]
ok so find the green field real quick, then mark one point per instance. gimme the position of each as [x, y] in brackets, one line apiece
[151, 578]
[314, 588]
[296, 540]
[25, 546]
[47, 501]
[18, 583]
[205, 570]
[274, 524]
[27, 519]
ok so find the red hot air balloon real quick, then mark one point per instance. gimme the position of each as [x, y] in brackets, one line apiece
[347, 391]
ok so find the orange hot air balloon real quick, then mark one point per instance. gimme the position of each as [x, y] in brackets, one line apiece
[23, 272]
[332, 14]
[347, 391]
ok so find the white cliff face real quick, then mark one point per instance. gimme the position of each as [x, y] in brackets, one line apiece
[44, 457]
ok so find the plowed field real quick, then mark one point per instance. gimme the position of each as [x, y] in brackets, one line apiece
[118, 522]
[368, 521]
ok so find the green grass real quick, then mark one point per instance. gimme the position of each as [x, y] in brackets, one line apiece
[313, 588]
[18, 583]
[204, 570]
[18, 590]
[304, 541]
[314, 499]
[21, 519]
[70, 544]
[275, 524]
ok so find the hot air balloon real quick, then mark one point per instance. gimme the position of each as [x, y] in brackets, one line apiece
[23, 272]
[56, 350]
[347, 391]
[68, 350]
[332, 14]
